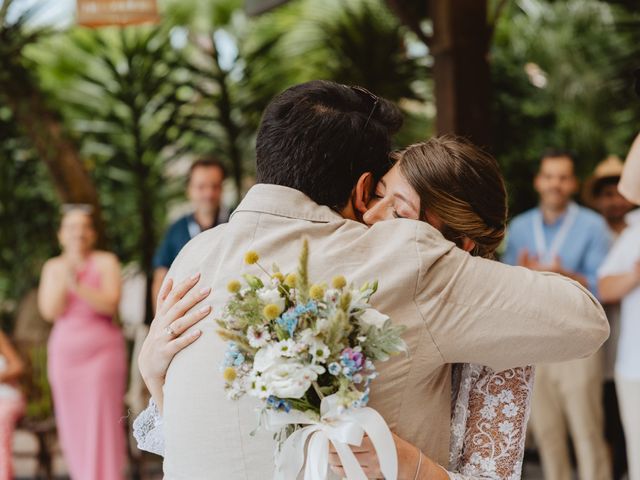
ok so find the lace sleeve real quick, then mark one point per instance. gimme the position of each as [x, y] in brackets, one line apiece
[489, 423]
[147, 430]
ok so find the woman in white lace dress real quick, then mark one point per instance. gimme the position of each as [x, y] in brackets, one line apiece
[458, 189]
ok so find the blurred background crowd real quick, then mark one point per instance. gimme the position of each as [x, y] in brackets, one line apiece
[123, 135]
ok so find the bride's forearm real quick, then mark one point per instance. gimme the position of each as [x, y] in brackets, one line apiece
[415, 465]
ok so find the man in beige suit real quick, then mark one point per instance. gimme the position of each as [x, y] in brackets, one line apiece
[315, 142]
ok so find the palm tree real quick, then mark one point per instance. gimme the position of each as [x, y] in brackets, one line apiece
[129, 98]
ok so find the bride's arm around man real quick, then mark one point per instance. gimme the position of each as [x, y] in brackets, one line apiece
[315, 144]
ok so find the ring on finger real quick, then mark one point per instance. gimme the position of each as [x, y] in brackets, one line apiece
[169, 331]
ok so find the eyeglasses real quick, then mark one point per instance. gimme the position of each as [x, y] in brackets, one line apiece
[369, 97]
[366, 94]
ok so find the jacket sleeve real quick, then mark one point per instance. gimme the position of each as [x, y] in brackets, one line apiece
[481, 311]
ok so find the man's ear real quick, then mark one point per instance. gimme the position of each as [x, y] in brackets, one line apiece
[363, 191]
[468, 244]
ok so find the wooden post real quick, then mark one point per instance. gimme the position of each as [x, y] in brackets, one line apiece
[460, 48]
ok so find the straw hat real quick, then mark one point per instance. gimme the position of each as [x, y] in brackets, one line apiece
[610, 167]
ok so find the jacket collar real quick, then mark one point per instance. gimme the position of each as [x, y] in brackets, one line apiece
[285, 202]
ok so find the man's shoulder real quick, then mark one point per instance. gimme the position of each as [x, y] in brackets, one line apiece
[206, 239]
[522, 219]
[593, 221]
[180, 224]
[590, 217]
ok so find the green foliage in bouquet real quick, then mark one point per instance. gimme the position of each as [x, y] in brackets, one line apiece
[292, 342]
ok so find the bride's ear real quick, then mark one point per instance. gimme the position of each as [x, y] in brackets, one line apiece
[363, 191]
[468, 244]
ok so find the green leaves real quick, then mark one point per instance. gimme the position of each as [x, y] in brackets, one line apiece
[384, 342]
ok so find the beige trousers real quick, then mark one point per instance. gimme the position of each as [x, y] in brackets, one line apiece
[629, 401]
[567, 398]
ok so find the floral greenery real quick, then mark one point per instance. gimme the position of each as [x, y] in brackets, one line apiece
[291, 343]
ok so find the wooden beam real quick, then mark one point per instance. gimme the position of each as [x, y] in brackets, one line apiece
[460, 48]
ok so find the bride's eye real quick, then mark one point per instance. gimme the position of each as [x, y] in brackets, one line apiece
[396, 214]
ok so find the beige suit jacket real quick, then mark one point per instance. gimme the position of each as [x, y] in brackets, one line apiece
[456, 308]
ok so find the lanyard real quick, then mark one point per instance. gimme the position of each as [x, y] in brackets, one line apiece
[546, 255]
[194, 228]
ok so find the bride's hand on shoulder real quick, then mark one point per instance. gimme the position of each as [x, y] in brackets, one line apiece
[169, 332]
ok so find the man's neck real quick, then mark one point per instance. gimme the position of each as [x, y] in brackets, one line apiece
[552, 214]
[205, 219]
[617, 225]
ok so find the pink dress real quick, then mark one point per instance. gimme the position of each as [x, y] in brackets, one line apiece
[87, 372]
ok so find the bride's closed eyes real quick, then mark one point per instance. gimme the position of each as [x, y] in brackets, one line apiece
[392, 198]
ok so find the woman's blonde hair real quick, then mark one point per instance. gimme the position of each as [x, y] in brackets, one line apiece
[462, 185]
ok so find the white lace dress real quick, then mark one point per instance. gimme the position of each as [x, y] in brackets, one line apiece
[488, 424]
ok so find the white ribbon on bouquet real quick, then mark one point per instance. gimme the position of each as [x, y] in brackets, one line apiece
[342, 430]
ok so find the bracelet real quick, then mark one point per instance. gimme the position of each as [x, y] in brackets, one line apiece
[419, 463]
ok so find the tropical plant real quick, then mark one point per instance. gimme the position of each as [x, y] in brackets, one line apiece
[562, 77]
[21, 92]
[127, 96]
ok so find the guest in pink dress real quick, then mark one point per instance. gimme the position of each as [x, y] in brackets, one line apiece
[79, 292]
[11, 402]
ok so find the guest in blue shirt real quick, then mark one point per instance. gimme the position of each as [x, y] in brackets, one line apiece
[561, 237]
[204, 190]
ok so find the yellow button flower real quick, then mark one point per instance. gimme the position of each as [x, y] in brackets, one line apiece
[339, 282]
[229, 374]
[291, 280]
[316, 292]
[271, 311]
[279, 276]
[234, 286]
[251, 257]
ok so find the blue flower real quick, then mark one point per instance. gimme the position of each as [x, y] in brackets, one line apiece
[233, 357]
[312, 307]
[239, 360]
[334, 368]
[289, 322]
[278, 404]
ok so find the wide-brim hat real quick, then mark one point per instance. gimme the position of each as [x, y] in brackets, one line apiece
[609, 169]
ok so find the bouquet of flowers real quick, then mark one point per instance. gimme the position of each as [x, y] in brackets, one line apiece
[307, 351]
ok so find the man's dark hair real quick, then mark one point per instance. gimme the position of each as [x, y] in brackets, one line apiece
[319, 137]
[207, 162]
[559, 153]
[600, 184]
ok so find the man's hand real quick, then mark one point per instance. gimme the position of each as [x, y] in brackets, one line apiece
[410, 466]
[365, 455]
[525, 259]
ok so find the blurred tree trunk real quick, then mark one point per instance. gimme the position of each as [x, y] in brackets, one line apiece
[460, 47]
[43, 127]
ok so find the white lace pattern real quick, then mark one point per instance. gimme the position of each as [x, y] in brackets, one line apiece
[147, 430]
[489, 422]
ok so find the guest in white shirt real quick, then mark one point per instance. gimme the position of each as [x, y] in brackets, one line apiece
[620, 281]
